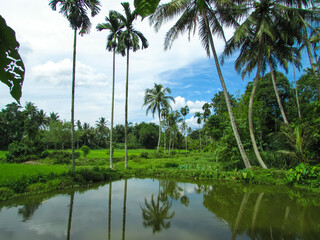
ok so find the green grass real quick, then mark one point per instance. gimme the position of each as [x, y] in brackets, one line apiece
[3, 154]
[16, 171]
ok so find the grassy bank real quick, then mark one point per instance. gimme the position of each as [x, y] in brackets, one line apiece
[43, 176]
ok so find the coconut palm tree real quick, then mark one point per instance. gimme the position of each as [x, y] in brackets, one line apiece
[209, 18]
[199, 117]
[76, 13]
[184, 111]
[156, 99]
[114, 26]
[129, 40]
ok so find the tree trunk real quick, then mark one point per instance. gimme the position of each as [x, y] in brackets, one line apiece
[126, 114]
[226, 95]
[250, 116]
[200, 136]
[308, 48]
[112, 108]
[273, 77]
[159, 129]
[72, 97]
[296, 88]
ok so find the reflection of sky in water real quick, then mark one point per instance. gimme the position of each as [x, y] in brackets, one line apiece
[90, 214]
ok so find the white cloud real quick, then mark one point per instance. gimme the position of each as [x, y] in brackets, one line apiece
[59, 73]
[193, 106]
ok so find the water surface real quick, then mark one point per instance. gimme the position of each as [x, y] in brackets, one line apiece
[164, 209]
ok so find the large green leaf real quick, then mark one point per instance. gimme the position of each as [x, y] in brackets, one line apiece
[146, 7]
[11, 65]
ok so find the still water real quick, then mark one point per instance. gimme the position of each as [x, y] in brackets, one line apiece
[164, 209]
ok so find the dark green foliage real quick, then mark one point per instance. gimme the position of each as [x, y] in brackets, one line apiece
[144, 155]
[171, 165]
[62, 157]
[304, 174]
[21, 151]
[5, 193]
[85, 149]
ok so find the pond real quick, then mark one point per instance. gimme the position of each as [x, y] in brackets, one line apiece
[164, 209]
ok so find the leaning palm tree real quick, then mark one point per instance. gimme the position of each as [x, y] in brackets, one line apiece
[114, 26]
[210, 20]
[76, 13]
[129, 40]
[156, 99]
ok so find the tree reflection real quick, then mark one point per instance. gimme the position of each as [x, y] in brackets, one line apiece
[156, 213]
[109, 211]
[124, 211]
[70, 215]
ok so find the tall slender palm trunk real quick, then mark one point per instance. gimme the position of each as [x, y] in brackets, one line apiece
[273, 77]
[72, 97]
[226, 95]
[250, 116]
[296, 87]
[159, 129]
[112, 108]
[126, 114]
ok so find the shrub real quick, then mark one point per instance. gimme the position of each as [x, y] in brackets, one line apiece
[5, 193]
[20, 150]
[144, 155]
[85, 149]
[45, 154]
[171, 165]
[60, 157]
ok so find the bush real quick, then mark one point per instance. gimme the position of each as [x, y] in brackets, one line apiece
[144, 155]
[5, 193]
[60, 157]
[171, 165]
[20, 150]
[85, 149]
[45, 154]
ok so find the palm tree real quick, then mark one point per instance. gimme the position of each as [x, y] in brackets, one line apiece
[76, 13]
[184, 111]
[129, 39]
[101, 131]
[114, 26]
[199, 117]
[156, 99]
[53, 116]
[164, 115]
[209, 19]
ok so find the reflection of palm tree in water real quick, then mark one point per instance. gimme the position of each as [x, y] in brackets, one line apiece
[70, 215]
[109, 211]
[239, 215]
[184, 199]
[124, 211]
[156, 213]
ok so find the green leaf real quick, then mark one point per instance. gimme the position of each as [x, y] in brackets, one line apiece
[146, 7]
[11, 64]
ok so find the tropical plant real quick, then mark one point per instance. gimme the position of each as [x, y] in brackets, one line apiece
[184, 111]
[199, 117]
[209, 19]
[76, 13]
[12, 67]
[156, 99]
[129, 39]
[114, 26]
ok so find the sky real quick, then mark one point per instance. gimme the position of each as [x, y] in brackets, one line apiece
[46, 46]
